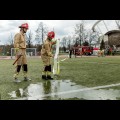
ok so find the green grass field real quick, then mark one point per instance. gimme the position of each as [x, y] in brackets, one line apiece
[86, 71]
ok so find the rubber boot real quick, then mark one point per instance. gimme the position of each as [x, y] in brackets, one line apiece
[25, 76]
[49, 73]
[18, 67]
[25, 69]
[16, 78]
[44, 75]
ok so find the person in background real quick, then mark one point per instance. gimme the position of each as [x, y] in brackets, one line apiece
[70, 52]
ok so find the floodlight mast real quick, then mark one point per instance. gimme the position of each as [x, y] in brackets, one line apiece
[96, 24]
[93, 28]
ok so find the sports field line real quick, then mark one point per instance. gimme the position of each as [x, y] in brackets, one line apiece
[107, 63]
[63, 59]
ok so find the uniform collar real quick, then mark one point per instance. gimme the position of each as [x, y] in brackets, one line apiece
[49, 40]
[22, 33]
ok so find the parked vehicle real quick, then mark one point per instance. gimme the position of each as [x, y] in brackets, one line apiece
[84, 50]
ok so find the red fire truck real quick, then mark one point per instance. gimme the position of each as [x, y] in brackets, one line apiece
[83, 50]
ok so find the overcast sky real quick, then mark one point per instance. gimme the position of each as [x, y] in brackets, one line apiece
[62, 27]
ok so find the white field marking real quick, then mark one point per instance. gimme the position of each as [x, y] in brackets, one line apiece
[64, 59]
[104, 63]
[98, 63]
[73, 91]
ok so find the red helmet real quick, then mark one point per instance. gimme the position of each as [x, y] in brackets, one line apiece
[25, 25]
[51, 35]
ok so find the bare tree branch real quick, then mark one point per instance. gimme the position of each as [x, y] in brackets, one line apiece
[41, 32]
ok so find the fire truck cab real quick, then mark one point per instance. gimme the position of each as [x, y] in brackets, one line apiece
[84, 50]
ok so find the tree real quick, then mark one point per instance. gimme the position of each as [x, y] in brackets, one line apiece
[85, 43]
[10, 40]
[41, 32]
[102, 45]
[29, 39]
[8, 45]
[64, 43]
[69, 39]
[93, 37]
[79, 30]
[75, 40]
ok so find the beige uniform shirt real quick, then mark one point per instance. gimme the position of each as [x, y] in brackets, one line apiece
[46, 52]
[47, 48]
[20, 40]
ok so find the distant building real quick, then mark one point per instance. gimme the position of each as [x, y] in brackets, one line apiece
[112, 38]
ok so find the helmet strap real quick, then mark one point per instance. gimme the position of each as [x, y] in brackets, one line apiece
[23, 30]
[49, 39]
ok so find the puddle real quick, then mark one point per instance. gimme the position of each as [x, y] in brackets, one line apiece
[62, 90]
[17, 93]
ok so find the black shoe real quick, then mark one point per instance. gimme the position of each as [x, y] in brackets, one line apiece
[44, 77]
[27, 79]
[49, 77]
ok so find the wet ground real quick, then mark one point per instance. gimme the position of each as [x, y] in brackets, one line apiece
[63, 90]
